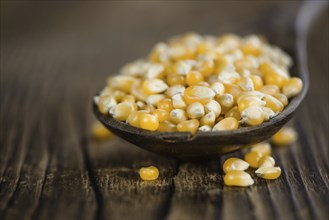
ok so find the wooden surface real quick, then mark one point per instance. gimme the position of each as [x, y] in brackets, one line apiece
[56, 55]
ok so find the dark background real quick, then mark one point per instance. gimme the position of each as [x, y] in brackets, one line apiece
[56, 55]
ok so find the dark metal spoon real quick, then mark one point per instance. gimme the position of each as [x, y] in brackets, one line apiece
[206, 145]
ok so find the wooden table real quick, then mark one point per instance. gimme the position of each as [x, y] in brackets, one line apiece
[56, 55]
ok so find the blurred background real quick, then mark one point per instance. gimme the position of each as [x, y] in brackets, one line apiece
[55, 55]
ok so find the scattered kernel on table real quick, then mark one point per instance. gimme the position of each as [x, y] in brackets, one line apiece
[269, 173]
[100, 132]
[149, 173]
[238, 178]
[234, 163]
[252, 157]
[266, 161]
[285, 136]
[263, 148]
[223, 82]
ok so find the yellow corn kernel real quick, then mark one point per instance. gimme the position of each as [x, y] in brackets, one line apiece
[148, 122]
[292, 87]
[134, 117]
[188, 126]
[100, 132]
[149, 173]
[285, 136]
[193, 77]
[208, 119]
[253, 115]
[195, 110]
[234, 163]
[246, 84]
[119, 95]
[228, 123]
[106, 102]
[122, 110]
[154, 99]
[176, 89]
[226, 100]
[263, 148]
[162, 115]
[122, 82]
[175, 79]
[233, 112]
[178, 101]
[269, 173]
[218, 88]
[213, 106]
[200, 94]
[268, 113]
[177, 116]
[282, 98]
[238, 178]
[248, 101]
[204, 128]
[273, 103]
[270, 89]
[252, 158]
[206, 67]
[233, 89]
[154, 86]
[137, 91]
[167, 126]
[249, 49]
[165, 104]
[128, 98]
[257, 82]
[266, 161]
[274, 78]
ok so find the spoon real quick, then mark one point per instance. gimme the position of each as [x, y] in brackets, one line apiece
[207, 145]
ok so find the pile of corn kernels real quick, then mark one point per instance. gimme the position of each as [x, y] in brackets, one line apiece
[202, 83]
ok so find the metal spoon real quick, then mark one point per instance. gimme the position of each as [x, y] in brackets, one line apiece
[206, 145]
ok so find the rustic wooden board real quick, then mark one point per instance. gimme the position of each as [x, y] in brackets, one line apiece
[56, 55]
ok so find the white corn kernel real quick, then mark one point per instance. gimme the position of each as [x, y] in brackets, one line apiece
[178, 115]
[195, 110]
[176, 89]
[205, 128]
[226, 100]
[213, 106]
[154, 99]
[218, 88]
[208, 119]
[266, 161]
[178, 101]
[252, 116]
[154, 86]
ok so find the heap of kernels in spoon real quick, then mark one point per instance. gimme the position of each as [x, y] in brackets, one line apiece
[202, 83]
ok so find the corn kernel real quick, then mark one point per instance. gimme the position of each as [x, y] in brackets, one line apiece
[106, 102]
[188, 126]
[218, 88]
[162, 115]
[149, 173]
[165, 104]
[273, 103]
[123, 83]
[154, 99]
[137, 91]
[149, 109]
[205, 128]
[234, 163]
[206, 67]
[266, 161]
[228, 75]
[213, 106]
[122, 110]
[246, 84]
[248, 101]
[268, 113]
[233, 89]
[100, 132]
[154, 86]
[252, 158]
[282, 98]
[202, 83]
[226, 100]
[134, 117]
[292, 87]
[178, 101]
[263, 148]
[176, 89]
[269, 173]
[195, 110]
[253, 116]
[148, 122]
[233, 112]
[141, 105]
[200, 94]
[182, 67]
[175, 79]
[228, 123]
[285, 136]
[177, 116]
[119, 95]
[128, 98]
[166, 126]
[257, 82]
[238, 178]
[270, 89]
[274, 78]
[208, 119]
[193, 77]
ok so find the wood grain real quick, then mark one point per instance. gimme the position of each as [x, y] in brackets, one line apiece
[55, 57]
